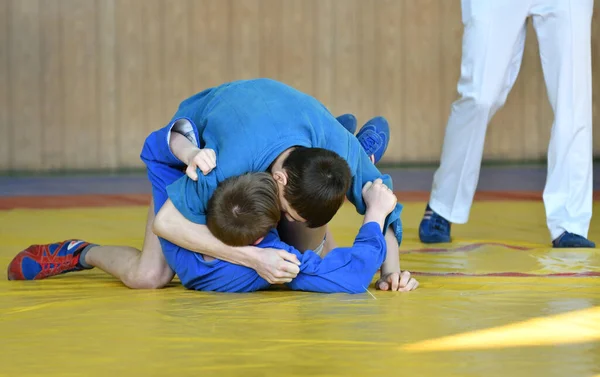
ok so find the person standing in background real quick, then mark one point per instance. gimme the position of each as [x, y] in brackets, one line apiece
[493, 44]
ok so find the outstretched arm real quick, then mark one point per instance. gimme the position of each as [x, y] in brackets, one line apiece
[391, 276]
[344, 269]
[351, 270]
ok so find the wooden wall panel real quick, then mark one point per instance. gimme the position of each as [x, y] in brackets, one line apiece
[178, 45]
[108, 121]
[53, 115]
[367, 84]
[130, 80]
[25, 83]
[271, 39]
[79, 59]
[389, 75]
[5, 102]
[296, 54]
[153, 71]
[244, 42]
[422, 113]
[323, 51]
[211, 53]
[83, 82]
[346, 58]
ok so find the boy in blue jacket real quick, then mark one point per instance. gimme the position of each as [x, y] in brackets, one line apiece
[342, 270]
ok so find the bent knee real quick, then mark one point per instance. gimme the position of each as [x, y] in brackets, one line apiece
[483, 103]
[149, 279]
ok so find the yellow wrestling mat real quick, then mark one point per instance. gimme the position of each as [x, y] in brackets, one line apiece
[496, 302]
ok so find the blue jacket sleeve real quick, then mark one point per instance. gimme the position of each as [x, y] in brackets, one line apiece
[191, 197]
[343, 270]
[156, 149]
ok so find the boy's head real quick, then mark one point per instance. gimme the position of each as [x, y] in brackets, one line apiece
[244, 209]
[313, 183]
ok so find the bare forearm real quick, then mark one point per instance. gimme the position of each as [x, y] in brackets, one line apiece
[392, 260]
[172, 226]
[374, 216]
[182, 148]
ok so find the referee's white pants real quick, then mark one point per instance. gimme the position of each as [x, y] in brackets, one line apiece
[493, 43]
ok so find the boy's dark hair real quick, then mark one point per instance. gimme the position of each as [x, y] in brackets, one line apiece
[318, 180]
[243, 209]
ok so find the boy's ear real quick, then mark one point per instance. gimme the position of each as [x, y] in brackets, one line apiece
[280, 177]
[258, 241]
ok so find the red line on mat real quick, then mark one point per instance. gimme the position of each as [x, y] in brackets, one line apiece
[103, 200]
[421, 196]
[469, 247]
[509, 274]
[73, 201]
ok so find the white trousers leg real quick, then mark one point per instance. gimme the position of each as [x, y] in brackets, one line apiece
[493, 43]
[563, 28]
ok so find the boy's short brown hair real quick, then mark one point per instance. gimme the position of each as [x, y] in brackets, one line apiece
[244, 209]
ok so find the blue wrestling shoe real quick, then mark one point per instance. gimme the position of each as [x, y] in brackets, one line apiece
[571, 240]
[348, 121]
[42, 261]
[434, 228]
[374, 137]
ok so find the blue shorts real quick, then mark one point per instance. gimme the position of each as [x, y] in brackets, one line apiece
[194, 272]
